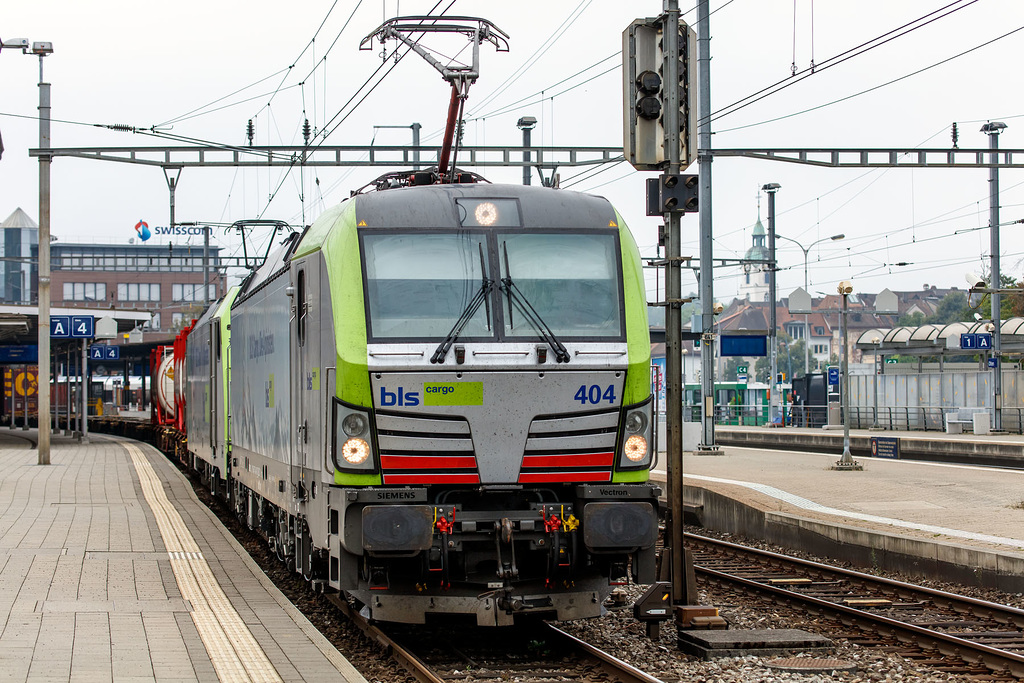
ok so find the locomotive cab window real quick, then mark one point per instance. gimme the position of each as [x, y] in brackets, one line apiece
[419, 284]
[571, 280]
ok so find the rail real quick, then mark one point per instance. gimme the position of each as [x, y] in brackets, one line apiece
[985, 633]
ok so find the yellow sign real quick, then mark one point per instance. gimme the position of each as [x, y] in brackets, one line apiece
[25, 384]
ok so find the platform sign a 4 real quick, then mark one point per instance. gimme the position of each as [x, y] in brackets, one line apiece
[103, 352]
[82, 326]
[60, 326]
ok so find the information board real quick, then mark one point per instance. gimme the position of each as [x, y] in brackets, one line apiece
[885, 447]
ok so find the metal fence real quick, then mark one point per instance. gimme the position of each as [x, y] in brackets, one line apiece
[893, 418]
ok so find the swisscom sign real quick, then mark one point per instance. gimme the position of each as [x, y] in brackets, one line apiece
[143, 230]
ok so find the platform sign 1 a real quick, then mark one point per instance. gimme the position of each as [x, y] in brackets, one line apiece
[833, 375]
[60, 326]
[82, 326]
[972, 340]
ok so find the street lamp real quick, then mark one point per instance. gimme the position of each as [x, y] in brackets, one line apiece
[42, 49]
[846, 463]
[807, 324]
[874, 361]
[526, 124]
[992, 129]
[773, 347]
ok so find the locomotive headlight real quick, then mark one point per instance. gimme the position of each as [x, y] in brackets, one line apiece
[352, 443]
[635, 448]
[636, 422]
[637, 443]
[354, 424]
[486, 213]
[355, 451]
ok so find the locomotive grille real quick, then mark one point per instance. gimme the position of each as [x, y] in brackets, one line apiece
[570, 448]
[426, 450]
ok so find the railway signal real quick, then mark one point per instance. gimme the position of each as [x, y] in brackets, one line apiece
[647, 101]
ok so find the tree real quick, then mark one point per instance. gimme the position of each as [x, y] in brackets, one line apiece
[915, 319]
[1012, 304]
[789, 359]
[729, 369]
[951, 309]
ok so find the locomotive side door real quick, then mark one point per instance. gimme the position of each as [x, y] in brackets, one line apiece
[308, 378]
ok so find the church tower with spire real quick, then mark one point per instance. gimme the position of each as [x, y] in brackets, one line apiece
[754, 287]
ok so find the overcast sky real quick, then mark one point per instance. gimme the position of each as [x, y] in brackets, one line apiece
[203, 69]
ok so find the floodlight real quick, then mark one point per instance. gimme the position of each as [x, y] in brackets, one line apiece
[15, 43]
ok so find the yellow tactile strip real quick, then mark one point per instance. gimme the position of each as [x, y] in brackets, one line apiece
[235, 654]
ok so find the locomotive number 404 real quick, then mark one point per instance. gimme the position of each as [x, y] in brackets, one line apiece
[595, 394]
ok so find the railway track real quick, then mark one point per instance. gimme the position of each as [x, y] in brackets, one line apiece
[985, 636]
[541, 653]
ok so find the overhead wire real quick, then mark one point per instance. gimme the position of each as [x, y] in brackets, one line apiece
[285, 71]
[325, 133]
[538, 53]
[840, 58]
[873, 88]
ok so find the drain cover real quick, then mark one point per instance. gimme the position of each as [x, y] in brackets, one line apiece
[810, 665]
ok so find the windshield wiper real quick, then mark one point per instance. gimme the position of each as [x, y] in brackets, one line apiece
[544, 330]
[482, 296]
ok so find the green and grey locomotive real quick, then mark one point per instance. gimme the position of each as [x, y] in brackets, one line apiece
[439, 402]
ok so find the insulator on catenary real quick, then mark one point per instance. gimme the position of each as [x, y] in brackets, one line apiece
[250, 131]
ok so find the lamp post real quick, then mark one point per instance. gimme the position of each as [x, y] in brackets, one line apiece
[773, 347]
[43, 319]
[992, 129]
[807, 324]
[846, 462]
[526, 124]
[874, 362]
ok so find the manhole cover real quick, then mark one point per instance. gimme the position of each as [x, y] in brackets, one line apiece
[810, 665]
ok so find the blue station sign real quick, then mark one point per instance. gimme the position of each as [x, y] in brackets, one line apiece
[83, 326]
[981, 341]
[104, 352]
[60, 326]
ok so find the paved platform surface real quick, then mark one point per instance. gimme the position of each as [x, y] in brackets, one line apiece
[942, 502]
[112, 570]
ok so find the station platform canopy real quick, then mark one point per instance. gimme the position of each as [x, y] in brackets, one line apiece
[940, 340]
[19, 324]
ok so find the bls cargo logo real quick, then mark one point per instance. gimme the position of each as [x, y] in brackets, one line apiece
[142, 227]
[435, 394]
[399, 398]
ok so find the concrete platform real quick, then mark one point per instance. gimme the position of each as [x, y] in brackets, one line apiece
[112, 570]
[930, 519]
